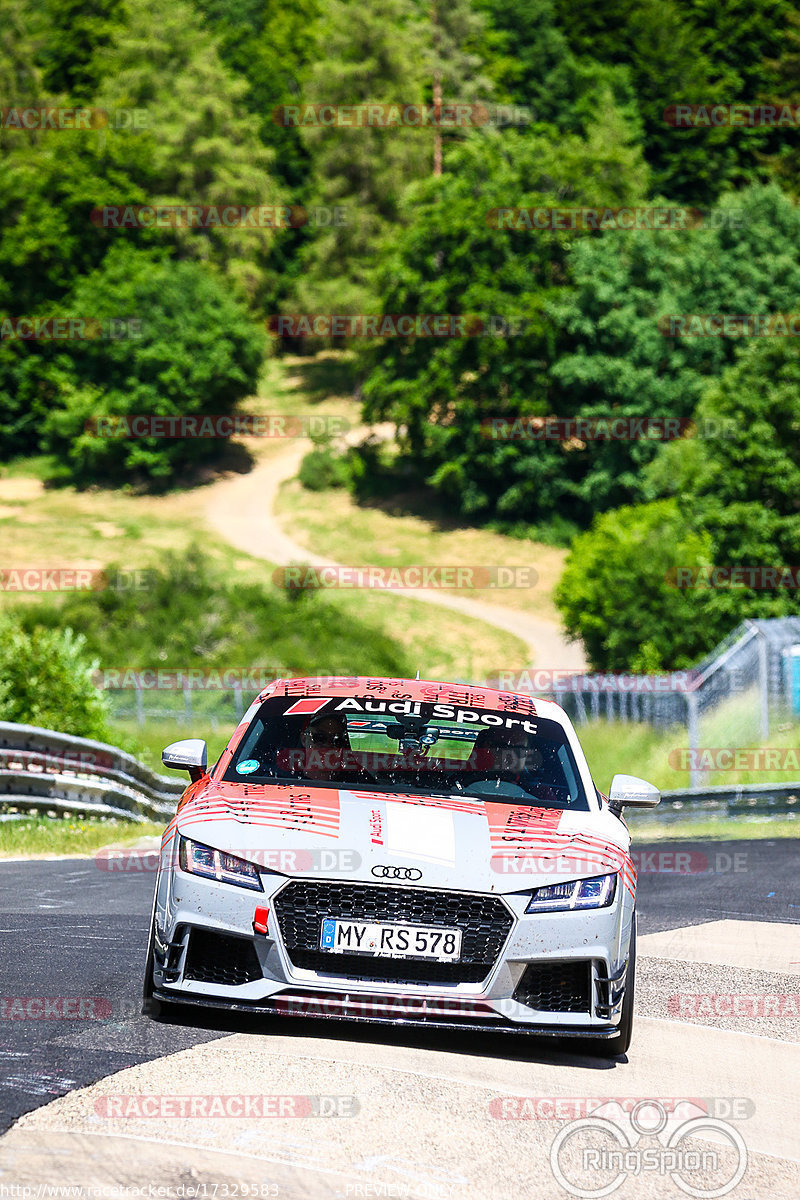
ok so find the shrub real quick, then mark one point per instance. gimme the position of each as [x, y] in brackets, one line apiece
[194, 353]
[46, 679]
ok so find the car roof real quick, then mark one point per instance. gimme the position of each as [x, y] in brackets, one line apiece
[463, 695]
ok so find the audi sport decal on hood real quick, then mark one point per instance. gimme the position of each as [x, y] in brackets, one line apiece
[281, 806]
[525, 839]
[401, 690]
[502, 847]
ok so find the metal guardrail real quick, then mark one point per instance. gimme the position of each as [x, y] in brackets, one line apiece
[732, 800]
[44, 771]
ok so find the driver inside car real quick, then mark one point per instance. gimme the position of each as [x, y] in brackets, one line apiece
[327, 746]
[507, 755]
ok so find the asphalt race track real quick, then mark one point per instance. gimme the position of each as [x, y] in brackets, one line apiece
[406, 1112]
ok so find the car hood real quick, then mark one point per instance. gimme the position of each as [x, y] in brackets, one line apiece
[436, 841]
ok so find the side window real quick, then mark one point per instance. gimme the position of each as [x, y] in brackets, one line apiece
[569, 773]
[248, 742]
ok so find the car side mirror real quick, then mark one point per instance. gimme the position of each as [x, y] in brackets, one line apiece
[189, 755]
[627, 791]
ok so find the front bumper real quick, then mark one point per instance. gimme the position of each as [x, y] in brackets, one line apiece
[547, 964]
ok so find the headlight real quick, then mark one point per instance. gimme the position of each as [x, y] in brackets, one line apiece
[216, 864]
[582, 893]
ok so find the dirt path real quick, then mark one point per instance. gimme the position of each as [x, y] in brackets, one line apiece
[242, 510]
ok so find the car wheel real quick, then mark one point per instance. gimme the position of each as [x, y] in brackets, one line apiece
[151, 1007]
[611, 1047]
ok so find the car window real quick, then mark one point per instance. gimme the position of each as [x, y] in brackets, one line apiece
[420, 746]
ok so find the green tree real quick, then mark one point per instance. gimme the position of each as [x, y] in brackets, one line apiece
[531, 64]
[46, 680]
[617, 592]
[271, 45]
[76, 30]
[191, 350]
[783, 87]
[453, 259]
[376, 51]
[729, 499]
[706, 53]
[456, 29]
[197, 145]
[614, 359]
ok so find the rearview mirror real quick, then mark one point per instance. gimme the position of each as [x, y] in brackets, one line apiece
[627, 791]
[189, 755]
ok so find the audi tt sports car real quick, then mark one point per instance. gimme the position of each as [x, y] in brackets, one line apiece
[400, 851]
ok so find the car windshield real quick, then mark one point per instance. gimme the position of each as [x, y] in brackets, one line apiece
[363, 742]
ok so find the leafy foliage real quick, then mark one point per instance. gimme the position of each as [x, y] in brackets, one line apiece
[732, 501]
[46, 679]
[166, 364]
[190, 616]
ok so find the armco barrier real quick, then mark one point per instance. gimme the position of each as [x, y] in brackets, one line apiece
[44, 771]
[54, 772]
[732, 800]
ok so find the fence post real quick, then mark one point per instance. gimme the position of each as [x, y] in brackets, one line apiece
[580, 708]
[763, 684]
[139, 700]
[187, 700]
[693, 725]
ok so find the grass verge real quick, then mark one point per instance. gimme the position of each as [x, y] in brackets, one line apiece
[36, 837]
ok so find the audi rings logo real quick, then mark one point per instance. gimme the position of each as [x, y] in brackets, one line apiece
[407, 873]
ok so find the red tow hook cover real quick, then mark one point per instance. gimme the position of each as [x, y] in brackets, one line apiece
[260, 919]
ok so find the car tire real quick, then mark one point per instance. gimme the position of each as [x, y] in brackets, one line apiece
[151, 1007]
[614, 1046]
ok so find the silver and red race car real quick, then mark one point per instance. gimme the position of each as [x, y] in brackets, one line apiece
[400, 851]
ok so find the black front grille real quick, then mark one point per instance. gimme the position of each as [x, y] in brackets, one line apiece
[302, 904]
[218, 958]
[563, 987]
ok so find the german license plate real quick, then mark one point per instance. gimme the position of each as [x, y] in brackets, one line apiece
[384, 940]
